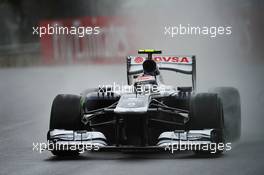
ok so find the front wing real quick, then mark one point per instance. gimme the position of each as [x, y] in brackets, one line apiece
[96, 141]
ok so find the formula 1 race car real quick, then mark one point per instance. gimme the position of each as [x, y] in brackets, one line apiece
[146, 114]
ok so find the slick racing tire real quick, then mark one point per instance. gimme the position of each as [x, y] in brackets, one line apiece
[232, 111]
[66, 114]
[206, 113]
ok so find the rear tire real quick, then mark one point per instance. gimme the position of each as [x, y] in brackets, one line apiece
[66, 114]
[206, 113]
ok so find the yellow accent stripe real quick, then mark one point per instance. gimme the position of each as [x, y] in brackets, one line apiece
[147, 50]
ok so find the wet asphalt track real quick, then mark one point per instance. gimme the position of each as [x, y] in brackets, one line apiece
[25, 99]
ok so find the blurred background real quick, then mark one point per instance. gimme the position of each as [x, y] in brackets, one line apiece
[140, 24]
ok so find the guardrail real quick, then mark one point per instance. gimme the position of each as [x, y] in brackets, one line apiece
[20, 55]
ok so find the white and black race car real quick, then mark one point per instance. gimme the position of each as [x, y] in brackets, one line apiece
[146, 114]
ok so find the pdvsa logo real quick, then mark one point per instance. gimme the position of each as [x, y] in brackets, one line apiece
[139, 59]
[172, 59]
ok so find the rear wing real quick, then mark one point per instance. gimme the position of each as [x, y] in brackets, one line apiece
[180, 64]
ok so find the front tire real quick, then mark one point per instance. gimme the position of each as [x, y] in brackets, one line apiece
[66, 114]
[206, 113]
[232, 111]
